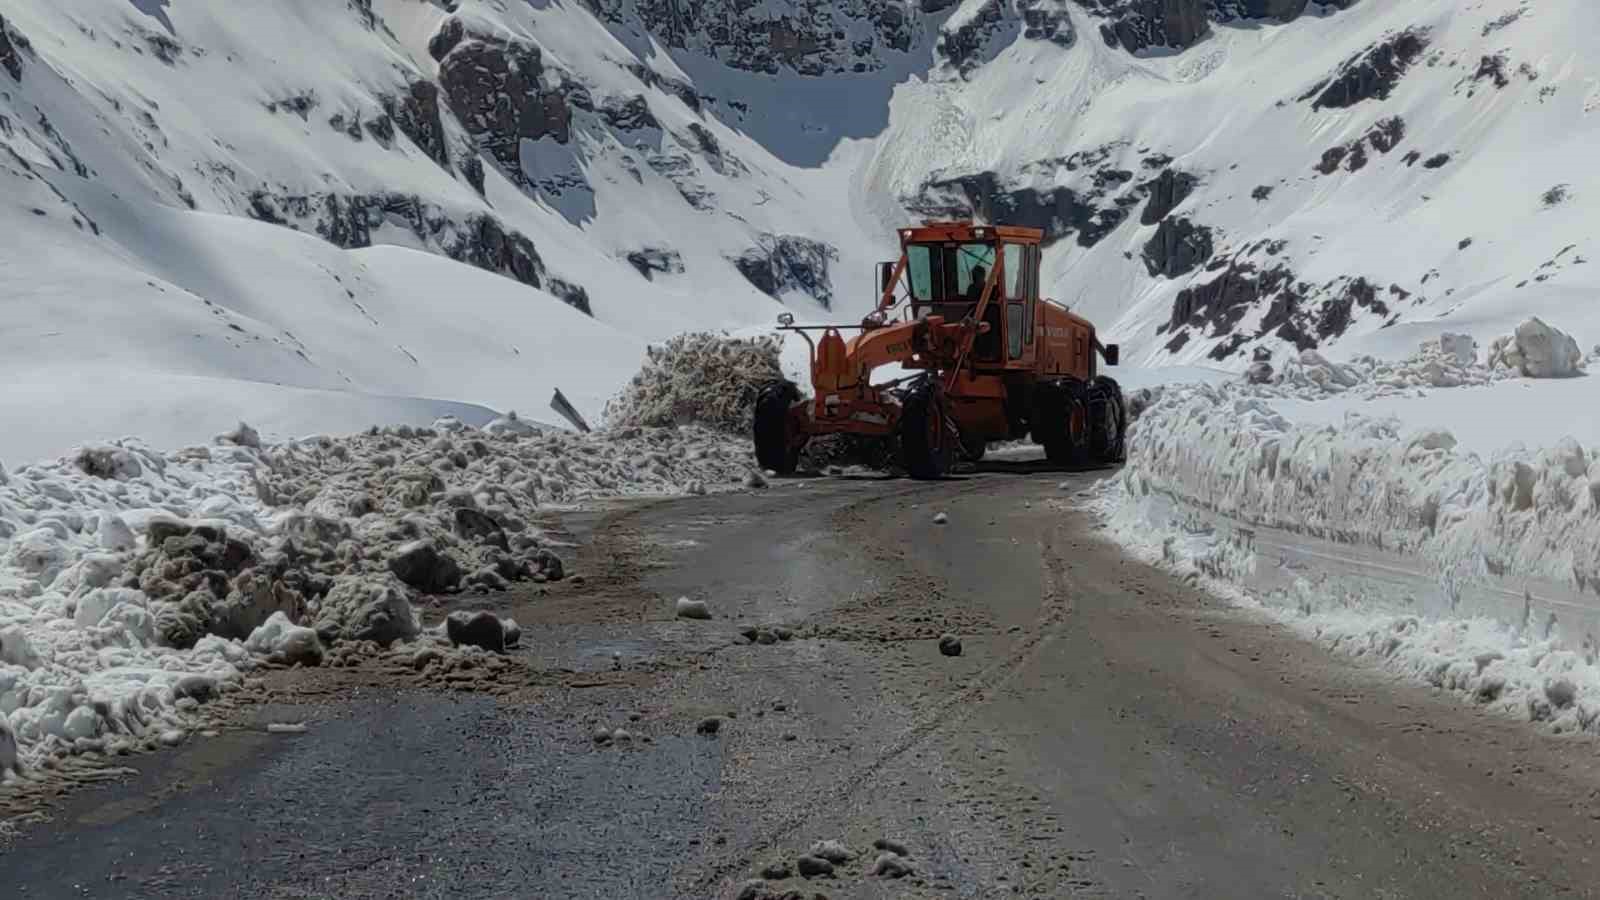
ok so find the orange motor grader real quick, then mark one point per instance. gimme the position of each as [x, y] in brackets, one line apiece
[990, 361]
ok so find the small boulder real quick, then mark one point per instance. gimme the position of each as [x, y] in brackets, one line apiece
[832, 851]
[755, 481]
[513, 632]
[940, 519]
[1259, 373]
[242, 435]
[949, 645]
[777, 871]
[473, 525]
[889, 865]
[104, 461]
[889, 845]
[709, 725]
[476, 629]
[754, 889]
[421, 565]
[813, 867]
[692, 609]
[549, 565]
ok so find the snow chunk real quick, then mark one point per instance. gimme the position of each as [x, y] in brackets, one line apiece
[692, 609]
[97, 604]
[372, 608]
[114, 533]
[16, 649]
[242, 435]
[509, 424]
[283, 640]
[1537, 350]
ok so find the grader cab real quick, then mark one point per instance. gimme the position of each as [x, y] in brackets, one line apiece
[990, 361]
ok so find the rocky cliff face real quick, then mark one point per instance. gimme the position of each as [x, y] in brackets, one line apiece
[810, 37]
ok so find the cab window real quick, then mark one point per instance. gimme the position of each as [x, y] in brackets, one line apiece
[948, 272]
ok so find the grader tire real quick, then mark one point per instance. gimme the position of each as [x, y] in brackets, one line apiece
[776, 447]
[926, 443]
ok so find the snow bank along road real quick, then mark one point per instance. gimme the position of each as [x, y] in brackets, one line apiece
[1106, 730]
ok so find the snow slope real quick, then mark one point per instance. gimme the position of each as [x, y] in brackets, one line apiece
[660, 168]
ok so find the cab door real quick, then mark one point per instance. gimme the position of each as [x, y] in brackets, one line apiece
[1020, 283]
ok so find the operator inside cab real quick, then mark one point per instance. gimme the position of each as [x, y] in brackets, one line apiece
[980, 277]
[987, 345]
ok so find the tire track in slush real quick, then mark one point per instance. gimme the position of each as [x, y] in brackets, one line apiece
[1055, 604]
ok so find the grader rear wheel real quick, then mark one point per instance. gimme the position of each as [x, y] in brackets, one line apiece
[1108, 421]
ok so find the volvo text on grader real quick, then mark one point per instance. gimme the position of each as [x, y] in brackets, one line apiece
[991, 361]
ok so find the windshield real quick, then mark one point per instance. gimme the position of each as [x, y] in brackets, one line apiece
[945, 272]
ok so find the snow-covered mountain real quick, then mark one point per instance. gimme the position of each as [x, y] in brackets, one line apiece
[315, 214]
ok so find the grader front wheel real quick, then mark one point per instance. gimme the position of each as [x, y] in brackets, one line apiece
[777, 445]
[926, 442]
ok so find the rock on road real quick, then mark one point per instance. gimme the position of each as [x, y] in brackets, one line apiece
[1105, 731]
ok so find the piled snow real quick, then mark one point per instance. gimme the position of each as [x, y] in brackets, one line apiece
[699, 379]
[134, 584]
[1537, 351]
[1444, 362]
[1472, 527]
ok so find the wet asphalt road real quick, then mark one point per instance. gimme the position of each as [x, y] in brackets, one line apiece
[1106, 732]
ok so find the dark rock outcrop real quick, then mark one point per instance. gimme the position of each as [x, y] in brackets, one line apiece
[1370, 74]
[1059, 211]
[12, 46]
[787, 262]
[1279, 10]
[1166, 191]
[628, 113]
[1381, 137]
[650, 261]
[963, 47]
[1047, 20]
[495, 87]
[448, 36]
[416, 114]
[811, 38]
[1296, 312]
[571, 294]
[1136, 25]
[1177, 248]
[348, 221]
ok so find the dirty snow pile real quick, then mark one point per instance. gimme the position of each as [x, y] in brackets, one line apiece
[1210, 467]
[1534, 350]
[699, 379]
[1449, 361]
[136, 584]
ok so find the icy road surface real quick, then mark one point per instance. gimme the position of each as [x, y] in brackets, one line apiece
[1106, 731]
